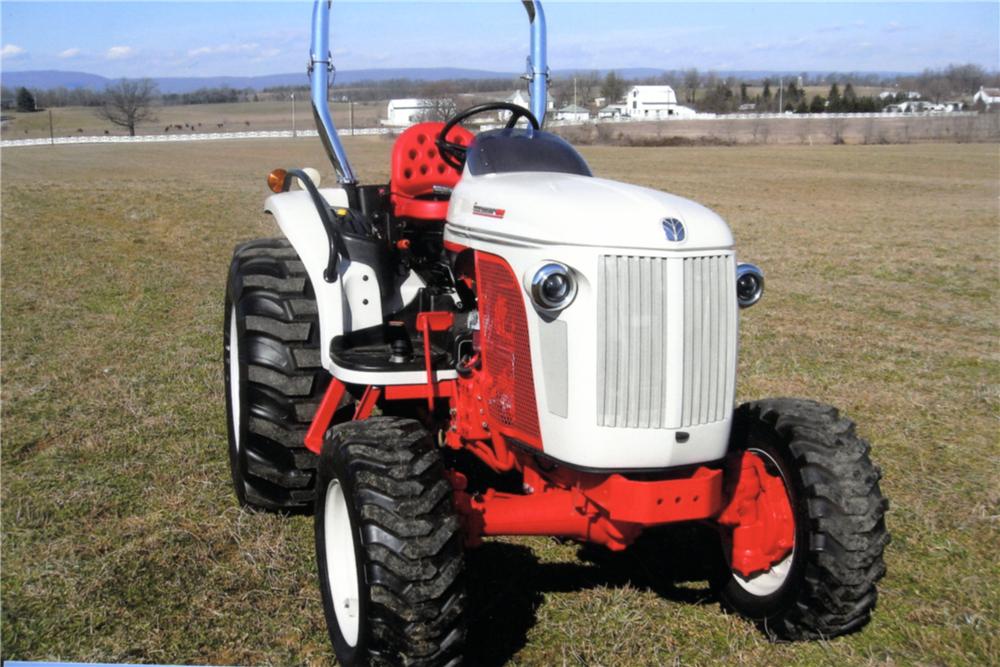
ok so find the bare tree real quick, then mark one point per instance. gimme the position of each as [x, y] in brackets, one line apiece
[805, 131]
[835, 130]
[438, 109]
[128, 103]
[589, 86]
[613, 88]
[868, 132]
[761, 130]
[691, 81]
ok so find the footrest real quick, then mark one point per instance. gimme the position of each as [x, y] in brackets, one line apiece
[372, 350]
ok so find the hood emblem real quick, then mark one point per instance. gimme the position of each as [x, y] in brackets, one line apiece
[674, 229]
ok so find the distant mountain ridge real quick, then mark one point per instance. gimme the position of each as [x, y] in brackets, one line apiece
[46, 79]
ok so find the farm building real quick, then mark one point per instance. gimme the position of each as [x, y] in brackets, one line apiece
[890, 94]
[523, 99]
[611, 112]
[407, 111]
[988, 96]
[573, 114]
[653, 102]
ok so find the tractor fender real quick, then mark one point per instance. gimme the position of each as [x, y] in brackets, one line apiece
[352, 301]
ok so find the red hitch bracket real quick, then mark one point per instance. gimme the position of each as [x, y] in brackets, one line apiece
[426, 323]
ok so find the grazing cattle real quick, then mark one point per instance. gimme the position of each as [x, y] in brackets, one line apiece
[220, 125]
[80, 130]
[166, 129]
[248, 123]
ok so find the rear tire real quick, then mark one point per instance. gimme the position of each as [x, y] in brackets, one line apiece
[273, 376]
[388, 546]
[826, 586]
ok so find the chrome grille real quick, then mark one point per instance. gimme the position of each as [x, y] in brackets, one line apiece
[654, 315]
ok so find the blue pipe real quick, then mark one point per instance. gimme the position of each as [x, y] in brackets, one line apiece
[538, 65]
[320, 66]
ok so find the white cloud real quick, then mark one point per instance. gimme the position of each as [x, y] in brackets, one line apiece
[11, 51]
[120, 52]
[223, 49]
[70, 53]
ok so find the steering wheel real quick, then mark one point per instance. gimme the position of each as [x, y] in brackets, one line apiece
[454, 153]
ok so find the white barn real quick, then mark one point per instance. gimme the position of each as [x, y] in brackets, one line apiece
[988, 96]
[653, 103]
[407, 111]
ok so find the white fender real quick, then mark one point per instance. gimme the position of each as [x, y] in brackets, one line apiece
[345, 305]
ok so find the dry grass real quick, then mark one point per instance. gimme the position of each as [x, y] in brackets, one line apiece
[235, 117]
[120, 536]
[789, 130]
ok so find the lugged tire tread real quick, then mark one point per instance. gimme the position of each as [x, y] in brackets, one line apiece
[285, 379]
[414, 562]
[847, 515]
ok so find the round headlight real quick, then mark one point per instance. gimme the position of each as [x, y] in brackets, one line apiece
[749, 284]
[553, 286]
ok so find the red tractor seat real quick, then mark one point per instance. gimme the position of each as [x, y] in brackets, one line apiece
[417, 168]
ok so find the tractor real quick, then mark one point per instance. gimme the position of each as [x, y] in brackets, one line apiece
[497, 342]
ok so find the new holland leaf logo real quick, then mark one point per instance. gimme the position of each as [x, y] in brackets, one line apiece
[674, 229]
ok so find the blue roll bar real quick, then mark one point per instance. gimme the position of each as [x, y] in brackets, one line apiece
[321, 66]
[538, 65]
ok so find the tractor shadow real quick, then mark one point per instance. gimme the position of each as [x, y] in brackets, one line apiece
[507, 583]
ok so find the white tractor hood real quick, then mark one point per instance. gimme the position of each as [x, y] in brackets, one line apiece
[542, 208]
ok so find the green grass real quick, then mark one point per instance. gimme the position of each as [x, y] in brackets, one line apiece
[120, 535]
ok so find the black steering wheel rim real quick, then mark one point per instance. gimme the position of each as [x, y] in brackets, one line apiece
[453, 153]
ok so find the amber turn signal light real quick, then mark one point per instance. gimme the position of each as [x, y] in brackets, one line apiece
[276, 180]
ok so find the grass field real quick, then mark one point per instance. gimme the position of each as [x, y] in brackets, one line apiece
[121, 538]
[235, 117]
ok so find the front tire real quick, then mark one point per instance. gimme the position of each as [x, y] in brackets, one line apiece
[826, 584]
[388, 546]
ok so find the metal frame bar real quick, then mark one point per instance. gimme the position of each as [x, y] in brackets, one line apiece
[321, 67]
[538, 64]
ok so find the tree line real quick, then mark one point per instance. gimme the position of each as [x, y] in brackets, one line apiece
[129, 101]
[707, 91]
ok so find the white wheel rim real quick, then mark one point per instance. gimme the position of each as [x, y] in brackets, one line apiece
[341, 565]
[234, 377]
[766, 583]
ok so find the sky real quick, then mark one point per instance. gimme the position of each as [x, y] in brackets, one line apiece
[252, 38]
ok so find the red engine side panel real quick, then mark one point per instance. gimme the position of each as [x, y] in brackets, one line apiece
[506, 351]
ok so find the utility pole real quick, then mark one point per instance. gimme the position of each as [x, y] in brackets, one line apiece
[781, 94]
[350, 106]
[574, 91]
[293, 115]
[52, 134]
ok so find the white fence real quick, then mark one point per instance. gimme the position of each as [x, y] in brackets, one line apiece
[169, 138]
[287, 134]
[774, 116]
